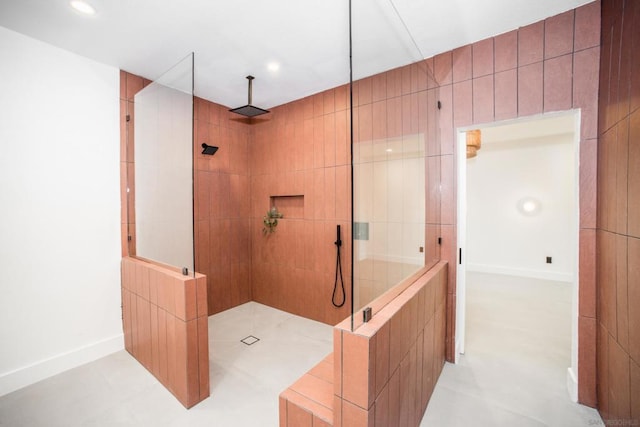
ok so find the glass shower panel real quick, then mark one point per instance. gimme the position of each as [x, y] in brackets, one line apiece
[396, 163]
[164, 168]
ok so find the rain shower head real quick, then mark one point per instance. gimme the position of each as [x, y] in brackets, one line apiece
[209, 149]
[249, 110]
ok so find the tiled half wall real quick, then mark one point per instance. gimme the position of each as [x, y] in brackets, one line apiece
[384, 372]
[166, 326]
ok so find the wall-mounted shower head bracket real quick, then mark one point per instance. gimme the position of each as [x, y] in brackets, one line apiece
[209, 150]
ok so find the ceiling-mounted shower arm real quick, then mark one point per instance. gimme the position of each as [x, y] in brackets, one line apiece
[249, 110]
[250, 78]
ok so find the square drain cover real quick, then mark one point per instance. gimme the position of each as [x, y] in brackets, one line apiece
[250, 340]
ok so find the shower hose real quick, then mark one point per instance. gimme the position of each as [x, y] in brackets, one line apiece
[335, 297]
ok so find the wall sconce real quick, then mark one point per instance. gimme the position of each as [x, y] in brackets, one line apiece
[473, 143]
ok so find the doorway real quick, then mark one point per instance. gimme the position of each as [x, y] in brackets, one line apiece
[518, 218]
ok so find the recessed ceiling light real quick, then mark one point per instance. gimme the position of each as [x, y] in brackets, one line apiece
[389, 150]
[83, 7]
[273, 66]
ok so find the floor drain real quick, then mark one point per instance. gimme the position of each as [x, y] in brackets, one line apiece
[250, 340]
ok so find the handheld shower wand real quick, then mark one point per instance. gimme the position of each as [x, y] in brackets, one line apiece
[334, 297]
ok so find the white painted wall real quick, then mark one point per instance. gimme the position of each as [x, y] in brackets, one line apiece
[60, 211]
[500, 238]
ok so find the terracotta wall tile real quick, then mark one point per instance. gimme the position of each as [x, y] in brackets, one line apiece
[587, 362]
[394, 398]
[633, 197]
[587, 26]
[134, 85]
[203, 356]
[337, 362]
[531, 44]
[627, 57]
[558, 73]
[443, 68]
[406, 394]
[329, 101]
[506, 51]
[355, 416]
[633, 282]
[343, 138]
[622, 307]
[558, 34]
[445, 119]
[398, 342]
[461, 62]
[364, 91]
[379, 87]
[483, 57]
[621, 180]
[602, 374]
[587, 269]
[606, 280]
[506, 94]
[428, 352]
[483, 101]
[318, 104]
[192, 366]
[126, 319]
[462, 104]
[447, 190]
[530, 89]
[634, 389]
[381, 417]
[406, 79]
[419, 76]
[588, 182]
[329, 140]
[341, 97]
[163, 355]
[315, 389]
[619, 386]
[296, 416]
[382, 348]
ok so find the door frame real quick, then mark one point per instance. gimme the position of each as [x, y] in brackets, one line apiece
[461, 235]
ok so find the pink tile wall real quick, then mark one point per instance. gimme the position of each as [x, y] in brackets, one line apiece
[385, 371]
[222, 205]
[618, 213]
[299, 161]
[551, 65]
[165, 327]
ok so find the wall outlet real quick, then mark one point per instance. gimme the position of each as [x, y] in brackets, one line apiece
[548, 260]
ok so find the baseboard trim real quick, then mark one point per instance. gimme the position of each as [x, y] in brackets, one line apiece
[30, 374]
[521, 272]
[572, 385]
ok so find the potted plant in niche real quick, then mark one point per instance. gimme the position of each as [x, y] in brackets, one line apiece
[270, 220]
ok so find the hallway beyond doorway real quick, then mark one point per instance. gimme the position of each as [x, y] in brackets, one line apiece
[517, 354]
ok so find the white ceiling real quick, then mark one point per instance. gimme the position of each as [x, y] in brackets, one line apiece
[234, 38]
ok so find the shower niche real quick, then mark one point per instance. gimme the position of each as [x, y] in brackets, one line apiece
[290, 206]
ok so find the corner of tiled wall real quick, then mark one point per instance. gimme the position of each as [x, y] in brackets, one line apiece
[617, 236]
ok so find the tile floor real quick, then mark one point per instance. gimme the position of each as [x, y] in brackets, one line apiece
[245, 380]
[513, 373]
